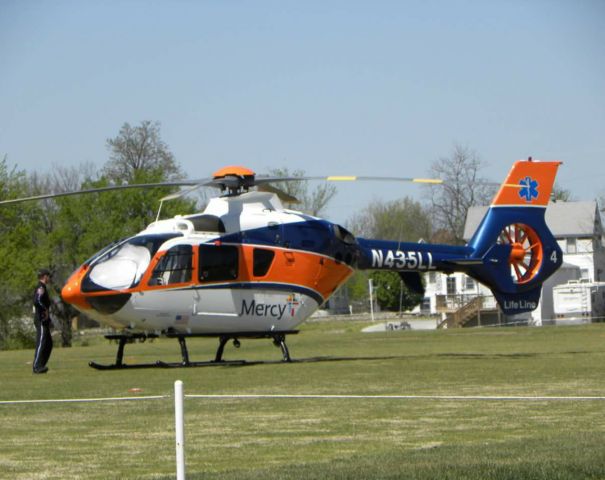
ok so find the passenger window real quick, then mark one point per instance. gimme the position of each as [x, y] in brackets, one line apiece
[173, 267]
[218, 262]
[262, 260]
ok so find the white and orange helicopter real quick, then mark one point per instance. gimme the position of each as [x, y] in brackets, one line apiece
[248, 268]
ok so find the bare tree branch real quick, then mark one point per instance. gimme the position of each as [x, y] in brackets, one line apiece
[463, 188]
[137, 149]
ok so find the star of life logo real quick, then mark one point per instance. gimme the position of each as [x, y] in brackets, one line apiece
[529, 189]
[293, 304]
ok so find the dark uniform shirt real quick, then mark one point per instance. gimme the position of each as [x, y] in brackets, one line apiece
[41, 303]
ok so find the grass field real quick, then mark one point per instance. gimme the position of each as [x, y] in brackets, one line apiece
[319, 438]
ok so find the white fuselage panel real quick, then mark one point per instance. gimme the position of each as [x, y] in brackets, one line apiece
[216, 310]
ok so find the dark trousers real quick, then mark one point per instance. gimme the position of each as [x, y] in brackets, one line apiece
[44, 344]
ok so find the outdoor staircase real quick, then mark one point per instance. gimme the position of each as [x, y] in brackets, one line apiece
[462, 315]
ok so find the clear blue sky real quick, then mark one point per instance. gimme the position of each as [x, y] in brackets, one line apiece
[331, 87]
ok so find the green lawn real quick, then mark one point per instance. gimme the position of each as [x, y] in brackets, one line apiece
[319, 438]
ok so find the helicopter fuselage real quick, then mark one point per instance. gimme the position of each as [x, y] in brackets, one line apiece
[244, 265]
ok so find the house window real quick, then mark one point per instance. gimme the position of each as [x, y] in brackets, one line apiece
[451, 285]
[571, 245]
[425, 306]
[469, 283]
[218, 262]
[584, 274]
[432, 277]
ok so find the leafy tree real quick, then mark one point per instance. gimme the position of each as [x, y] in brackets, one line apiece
[313, 201]
[16, 250]
[391, 293]
[401, 220]
[463, 188]
[86, 224]
[60, 234]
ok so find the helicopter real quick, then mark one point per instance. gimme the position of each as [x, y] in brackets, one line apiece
[246, 267]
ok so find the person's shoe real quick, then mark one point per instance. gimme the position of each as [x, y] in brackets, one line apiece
[41, 370]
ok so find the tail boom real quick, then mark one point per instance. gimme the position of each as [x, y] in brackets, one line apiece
[512, 252]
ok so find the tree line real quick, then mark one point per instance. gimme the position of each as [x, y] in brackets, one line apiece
[61, 233]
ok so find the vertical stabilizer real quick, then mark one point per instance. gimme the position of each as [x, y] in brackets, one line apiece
[518, 250]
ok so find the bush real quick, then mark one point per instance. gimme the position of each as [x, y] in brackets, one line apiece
[19, 334]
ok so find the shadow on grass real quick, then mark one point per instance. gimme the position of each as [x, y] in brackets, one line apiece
[461, 356]
[328, 358]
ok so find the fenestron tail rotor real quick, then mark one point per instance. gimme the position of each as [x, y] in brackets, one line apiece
[526, 251]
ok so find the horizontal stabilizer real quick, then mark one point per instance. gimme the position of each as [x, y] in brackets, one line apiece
[412, 281]
[464, 261]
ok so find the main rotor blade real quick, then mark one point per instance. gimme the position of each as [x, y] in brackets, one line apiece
[354, 178]
[283, 196]
[100, 189]
[263, 179]
[337, 178]
[428, 181]
[206, 182]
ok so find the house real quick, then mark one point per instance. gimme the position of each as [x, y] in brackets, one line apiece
[578, 229]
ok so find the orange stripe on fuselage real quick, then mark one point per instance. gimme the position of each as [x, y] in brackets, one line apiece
[307, 269]
[298, 267]
[529, 183]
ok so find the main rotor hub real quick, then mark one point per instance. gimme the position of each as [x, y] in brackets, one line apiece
[233, 170]
[234, 179]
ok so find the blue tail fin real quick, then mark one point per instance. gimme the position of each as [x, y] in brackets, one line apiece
[517, 250]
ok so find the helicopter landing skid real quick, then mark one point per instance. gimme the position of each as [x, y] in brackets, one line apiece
[279, 340]
[123, 339]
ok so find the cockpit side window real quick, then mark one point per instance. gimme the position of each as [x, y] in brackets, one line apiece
[123, 266]
[218, 263]
[175, 266]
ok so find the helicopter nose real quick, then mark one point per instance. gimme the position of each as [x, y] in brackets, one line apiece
[71, 292]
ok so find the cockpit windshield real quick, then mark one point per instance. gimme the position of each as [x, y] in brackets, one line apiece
[123, 266]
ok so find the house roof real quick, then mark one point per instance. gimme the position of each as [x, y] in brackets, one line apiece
[565, 219]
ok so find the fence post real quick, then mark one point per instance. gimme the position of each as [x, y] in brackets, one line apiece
[179, 430]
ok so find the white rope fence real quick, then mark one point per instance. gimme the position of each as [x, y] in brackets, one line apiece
[404, 397]
[83, 400]
[252, 396]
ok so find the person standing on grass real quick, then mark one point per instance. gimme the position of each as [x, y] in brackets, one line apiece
[44, 342]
